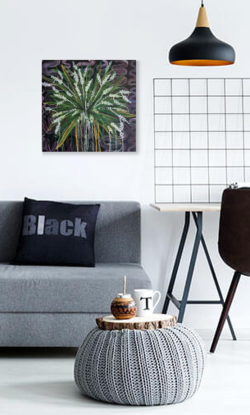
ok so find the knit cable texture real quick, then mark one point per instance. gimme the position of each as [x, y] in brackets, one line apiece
[141, 367]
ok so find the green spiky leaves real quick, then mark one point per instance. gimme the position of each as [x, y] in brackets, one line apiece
[90, 103]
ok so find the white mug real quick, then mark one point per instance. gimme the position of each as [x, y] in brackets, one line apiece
[144, 301]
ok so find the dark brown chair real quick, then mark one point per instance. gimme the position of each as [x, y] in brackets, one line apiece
[234, 244]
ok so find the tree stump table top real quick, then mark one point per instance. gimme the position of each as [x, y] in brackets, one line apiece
[156, 321]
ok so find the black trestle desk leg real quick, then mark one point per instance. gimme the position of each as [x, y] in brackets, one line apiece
[191, 267]
[177, 262]
[215, 278]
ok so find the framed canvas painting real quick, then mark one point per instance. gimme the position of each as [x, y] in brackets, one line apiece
[89, 106]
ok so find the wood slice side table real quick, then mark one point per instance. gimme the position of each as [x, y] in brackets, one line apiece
[156, 321]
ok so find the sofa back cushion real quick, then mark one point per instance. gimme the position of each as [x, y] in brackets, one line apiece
[117, 237]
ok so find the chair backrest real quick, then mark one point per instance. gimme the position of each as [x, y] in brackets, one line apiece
[117, 238]
[234, 233]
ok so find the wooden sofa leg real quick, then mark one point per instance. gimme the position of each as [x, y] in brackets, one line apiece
[225, 310]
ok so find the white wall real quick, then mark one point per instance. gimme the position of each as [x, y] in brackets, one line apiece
[134, 29]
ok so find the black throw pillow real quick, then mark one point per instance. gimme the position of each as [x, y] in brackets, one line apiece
[56, 233]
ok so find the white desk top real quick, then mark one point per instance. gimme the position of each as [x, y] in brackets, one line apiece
[186, 207]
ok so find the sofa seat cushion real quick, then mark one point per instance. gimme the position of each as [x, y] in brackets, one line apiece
[66, 289]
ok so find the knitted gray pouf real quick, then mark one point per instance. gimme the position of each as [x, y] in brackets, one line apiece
[140, 367]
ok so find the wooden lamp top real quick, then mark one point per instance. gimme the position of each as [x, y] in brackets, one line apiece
[202, 20]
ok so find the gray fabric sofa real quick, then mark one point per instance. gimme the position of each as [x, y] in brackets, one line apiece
[57, 306]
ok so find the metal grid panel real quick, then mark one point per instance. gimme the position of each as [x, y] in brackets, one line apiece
[201, 137]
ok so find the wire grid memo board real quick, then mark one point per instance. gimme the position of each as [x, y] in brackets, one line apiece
[201, 137]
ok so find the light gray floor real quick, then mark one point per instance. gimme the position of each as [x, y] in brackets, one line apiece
[39, 382]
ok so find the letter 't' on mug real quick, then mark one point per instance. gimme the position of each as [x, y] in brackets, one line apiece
[145, 301]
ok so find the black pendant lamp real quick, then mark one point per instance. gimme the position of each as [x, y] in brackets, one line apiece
[202, 48]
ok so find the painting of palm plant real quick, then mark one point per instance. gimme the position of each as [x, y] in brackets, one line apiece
[89, 106]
